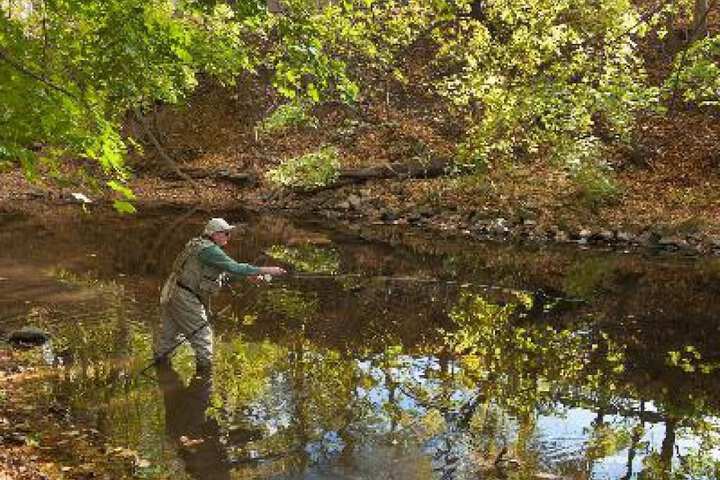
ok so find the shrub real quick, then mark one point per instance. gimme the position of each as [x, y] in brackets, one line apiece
[312, 170]
[293, 114]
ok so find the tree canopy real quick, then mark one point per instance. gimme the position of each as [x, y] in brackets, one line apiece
[524, 78]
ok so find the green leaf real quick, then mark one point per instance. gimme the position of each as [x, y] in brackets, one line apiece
[313, 92]
[122, 189]
[124, 207]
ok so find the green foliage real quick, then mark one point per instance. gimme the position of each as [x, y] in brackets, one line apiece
[312, 170]
[696, 73]
[606, 441]
[122, 206]
[292, 114]
[545, 74]
[71, 71]
[305, 57]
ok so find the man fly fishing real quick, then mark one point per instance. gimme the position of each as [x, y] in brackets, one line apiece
[198, 272]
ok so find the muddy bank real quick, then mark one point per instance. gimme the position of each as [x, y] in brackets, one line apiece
[38, 437]
[380, 203]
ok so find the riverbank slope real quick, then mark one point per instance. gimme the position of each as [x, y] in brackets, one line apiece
[663, 193]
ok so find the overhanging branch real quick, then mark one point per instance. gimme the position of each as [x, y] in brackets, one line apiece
[35, 76]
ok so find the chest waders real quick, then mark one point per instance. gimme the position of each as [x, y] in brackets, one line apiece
[184, 302]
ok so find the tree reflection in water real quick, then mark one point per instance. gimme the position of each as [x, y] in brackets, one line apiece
[372, 378]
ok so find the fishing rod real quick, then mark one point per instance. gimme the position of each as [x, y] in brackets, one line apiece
[341, 276]
[539, 293]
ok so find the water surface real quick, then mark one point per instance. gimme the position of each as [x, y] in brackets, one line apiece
[392, 357]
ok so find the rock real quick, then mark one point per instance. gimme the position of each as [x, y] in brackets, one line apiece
[672, 242]
[14, 438]
[530, 223]
[561, 236]
[354, 201]
[499, 226]
[648, 238]
[414, 217]
[426, 212]
[29, 336]
[388, 216]
[714, 243]
[80, 198]
[481, 227]
[585, 233]
[344, 205]
[623, 236]
[605, 235]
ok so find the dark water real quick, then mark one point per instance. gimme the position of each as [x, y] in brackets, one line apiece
[398, 358]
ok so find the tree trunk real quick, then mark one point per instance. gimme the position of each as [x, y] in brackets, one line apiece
[700, 13]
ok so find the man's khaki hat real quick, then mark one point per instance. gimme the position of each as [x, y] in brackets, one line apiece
[217, 225]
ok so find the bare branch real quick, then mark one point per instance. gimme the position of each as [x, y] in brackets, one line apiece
[163, 154]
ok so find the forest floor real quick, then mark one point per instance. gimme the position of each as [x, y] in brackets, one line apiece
[666, 190]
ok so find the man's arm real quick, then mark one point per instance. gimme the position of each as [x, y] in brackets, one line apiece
[214, 256]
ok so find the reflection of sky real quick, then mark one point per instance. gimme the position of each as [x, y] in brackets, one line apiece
[563, 438]
[560, 439]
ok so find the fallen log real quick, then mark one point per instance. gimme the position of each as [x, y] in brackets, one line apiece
[346, 176]
[238, 178]
[433, 169]
[350, 176]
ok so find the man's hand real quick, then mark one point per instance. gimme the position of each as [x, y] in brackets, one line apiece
[266, 274]
[274, 271]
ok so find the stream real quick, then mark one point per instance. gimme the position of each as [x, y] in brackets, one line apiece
[385, 354]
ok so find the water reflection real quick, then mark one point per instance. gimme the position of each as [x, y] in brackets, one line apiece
[194, 434]
[433, 360]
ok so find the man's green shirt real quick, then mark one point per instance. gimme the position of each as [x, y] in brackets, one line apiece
[214, 256]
